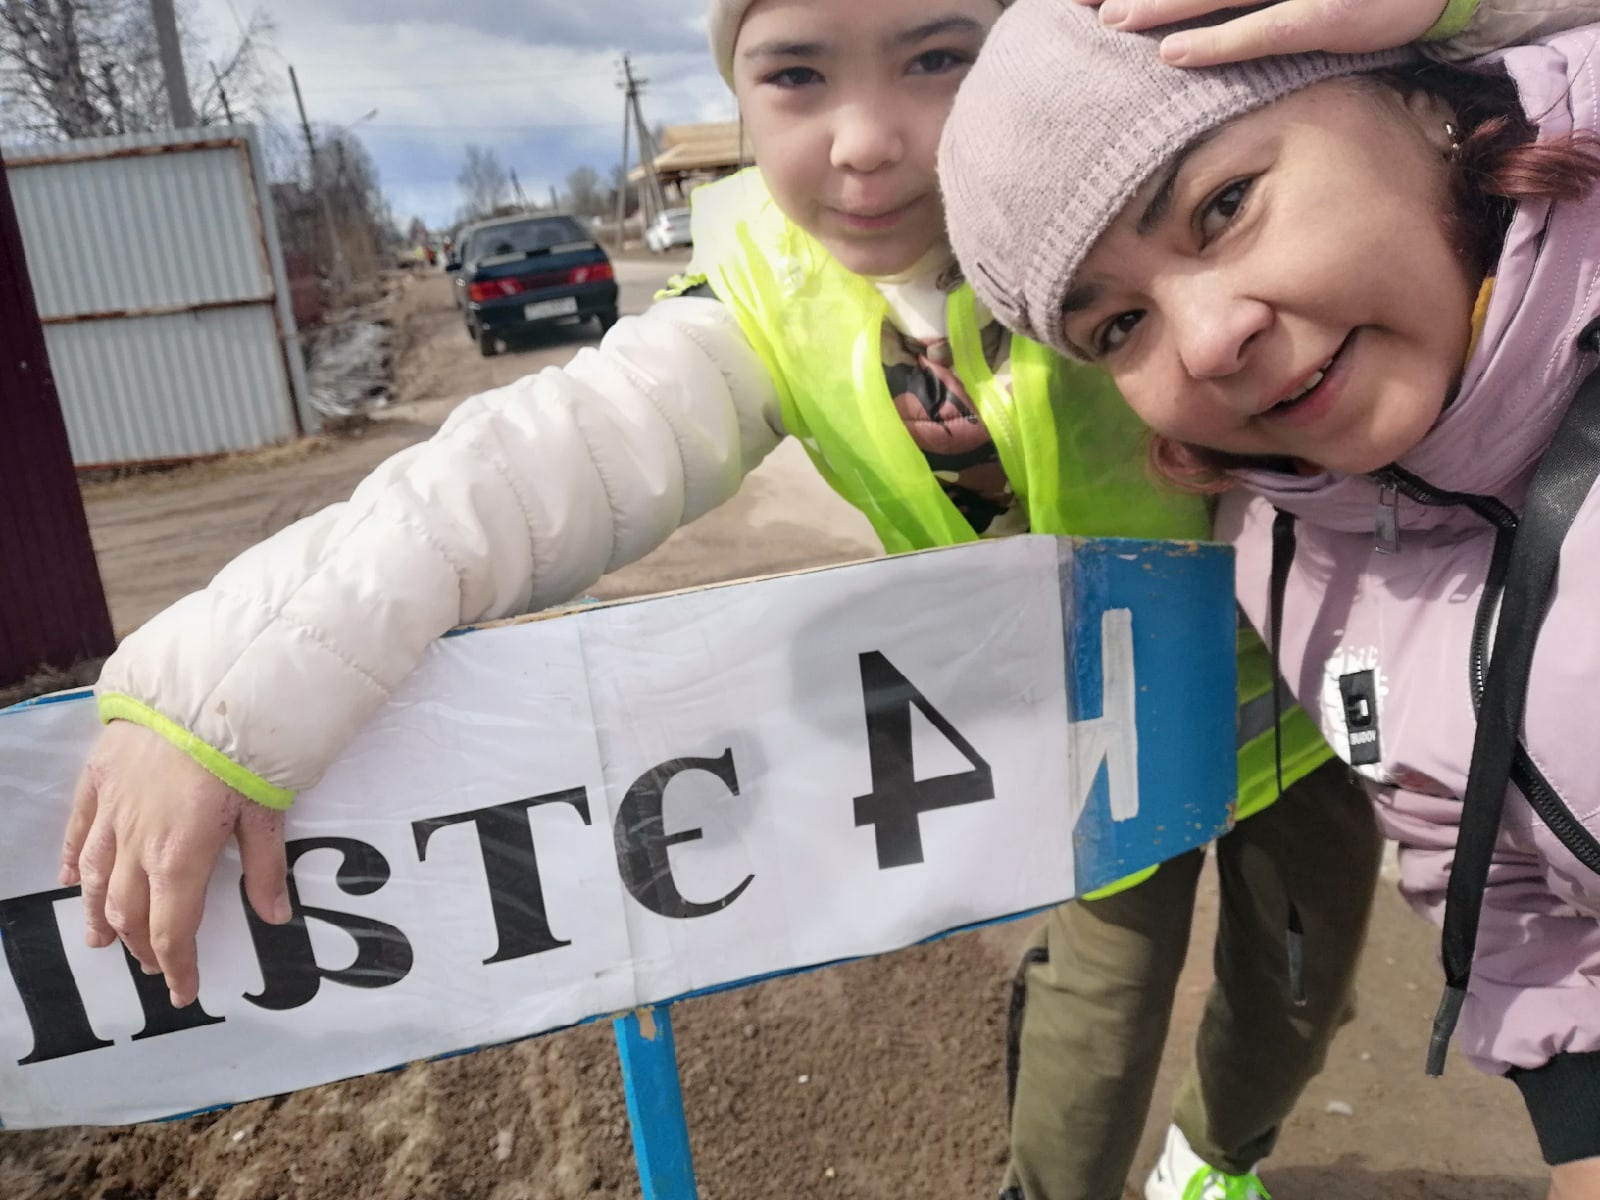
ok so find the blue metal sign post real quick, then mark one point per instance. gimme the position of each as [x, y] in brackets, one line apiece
[655, 1104]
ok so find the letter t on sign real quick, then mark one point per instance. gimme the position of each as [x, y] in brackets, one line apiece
[516, 895]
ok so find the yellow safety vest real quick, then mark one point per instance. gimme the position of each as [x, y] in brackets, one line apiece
[1071, 448]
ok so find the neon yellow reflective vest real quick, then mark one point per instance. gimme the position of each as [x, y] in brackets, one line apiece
[1071, 449]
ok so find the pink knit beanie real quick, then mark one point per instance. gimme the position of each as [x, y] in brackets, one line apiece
[724, 18]
[1057, 126]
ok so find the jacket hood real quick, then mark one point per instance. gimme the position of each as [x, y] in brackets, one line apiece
[1526, 365]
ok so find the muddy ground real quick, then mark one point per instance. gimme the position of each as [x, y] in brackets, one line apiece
[875, 1080]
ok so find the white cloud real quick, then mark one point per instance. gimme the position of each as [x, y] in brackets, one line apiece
[535, 79]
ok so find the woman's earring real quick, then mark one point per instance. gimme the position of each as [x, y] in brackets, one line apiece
[1454, 135]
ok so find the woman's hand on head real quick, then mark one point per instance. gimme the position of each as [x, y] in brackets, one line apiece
[1285, 27]
[147, 826]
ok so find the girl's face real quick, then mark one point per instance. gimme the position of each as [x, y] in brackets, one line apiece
[844, 101]
[1288, 287]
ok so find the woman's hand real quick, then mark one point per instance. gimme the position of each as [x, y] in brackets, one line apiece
[1287, 27]
[147, 826]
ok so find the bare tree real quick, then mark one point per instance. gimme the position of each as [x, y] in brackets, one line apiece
[49, 50]
[584, 196]
[348, 176]
[241, 73]
[89, 68]
[484, 181]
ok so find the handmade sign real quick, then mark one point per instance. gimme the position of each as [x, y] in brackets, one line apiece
[562, 818]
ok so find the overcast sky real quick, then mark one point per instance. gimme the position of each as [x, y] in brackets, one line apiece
[534, 79]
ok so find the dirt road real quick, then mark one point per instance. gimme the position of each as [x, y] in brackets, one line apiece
[877, 1080]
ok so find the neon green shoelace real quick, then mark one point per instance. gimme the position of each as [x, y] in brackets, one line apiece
[1234, 1187]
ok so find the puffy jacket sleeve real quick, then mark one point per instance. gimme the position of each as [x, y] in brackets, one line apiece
[1472, 28]
[524, 498]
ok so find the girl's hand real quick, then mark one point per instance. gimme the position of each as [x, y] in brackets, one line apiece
[148, 823]
[1287, 27]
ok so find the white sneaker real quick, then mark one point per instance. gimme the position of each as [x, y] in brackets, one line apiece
[1181, 1174]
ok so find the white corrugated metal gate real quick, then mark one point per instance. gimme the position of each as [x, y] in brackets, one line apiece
[160, 282]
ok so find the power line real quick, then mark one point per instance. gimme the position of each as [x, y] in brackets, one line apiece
[460, 125]
[458, 84]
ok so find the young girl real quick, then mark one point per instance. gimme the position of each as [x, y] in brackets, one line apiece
[1363, 292]
[821, 304]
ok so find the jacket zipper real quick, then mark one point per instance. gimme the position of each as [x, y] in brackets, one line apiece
[1543, 798]
[1397, 481]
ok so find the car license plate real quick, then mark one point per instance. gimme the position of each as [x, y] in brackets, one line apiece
[565, 307]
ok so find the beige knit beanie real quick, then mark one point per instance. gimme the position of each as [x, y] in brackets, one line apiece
[1059, 123]
[725, 17]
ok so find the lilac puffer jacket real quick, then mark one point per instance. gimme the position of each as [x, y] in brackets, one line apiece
[1377, 645]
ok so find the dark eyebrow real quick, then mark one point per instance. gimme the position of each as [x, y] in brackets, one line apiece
[780, 48]
[1156, 211]
[1079, 298]
[1084, 296]
[936, 28]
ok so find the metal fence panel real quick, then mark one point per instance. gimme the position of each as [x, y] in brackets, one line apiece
[171, 387]
[160, 282]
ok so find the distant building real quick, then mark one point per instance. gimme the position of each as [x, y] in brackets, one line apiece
[694, 154]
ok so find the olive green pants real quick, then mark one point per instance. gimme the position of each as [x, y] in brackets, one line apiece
[1095, 992]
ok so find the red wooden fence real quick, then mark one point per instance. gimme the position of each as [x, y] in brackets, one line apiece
[52, 606]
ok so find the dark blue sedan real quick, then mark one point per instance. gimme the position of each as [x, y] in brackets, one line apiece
[519, 272]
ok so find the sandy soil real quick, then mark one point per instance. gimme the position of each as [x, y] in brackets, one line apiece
[900, 1056]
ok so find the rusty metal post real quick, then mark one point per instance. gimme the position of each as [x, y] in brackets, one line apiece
[52, 605]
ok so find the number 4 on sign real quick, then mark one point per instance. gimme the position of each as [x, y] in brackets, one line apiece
[898, 797]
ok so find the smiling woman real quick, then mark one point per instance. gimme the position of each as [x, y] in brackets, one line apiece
[1280, 266]
[1363, 297]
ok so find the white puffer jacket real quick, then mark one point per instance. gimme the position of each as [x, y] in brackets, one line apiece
[525, 497]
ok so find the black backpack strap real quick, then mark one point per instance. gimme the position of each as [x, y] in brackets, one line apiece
[1561, 484]
[1283, 548]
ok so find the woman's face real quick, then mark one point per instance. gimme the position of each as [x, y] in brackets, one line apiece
[844, 102]
[1288, 287]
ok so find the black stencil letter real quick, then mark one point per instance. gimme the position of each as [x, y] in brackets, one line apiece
[288, 966]
[505, 837]
[39, 967]
[160, 1018]
[898, 798]
[642, 841]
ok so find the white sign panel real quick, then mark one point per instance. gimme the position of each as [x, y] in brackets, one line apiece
[564, 818]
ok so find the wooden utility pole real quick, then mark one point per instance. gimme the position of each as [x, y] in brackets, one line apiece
[622, 183]
[652, 199]
[341, 273]
[171, 51]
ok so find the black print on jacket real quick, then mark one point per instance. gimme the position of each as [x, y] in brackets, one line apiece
[1359, 691]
